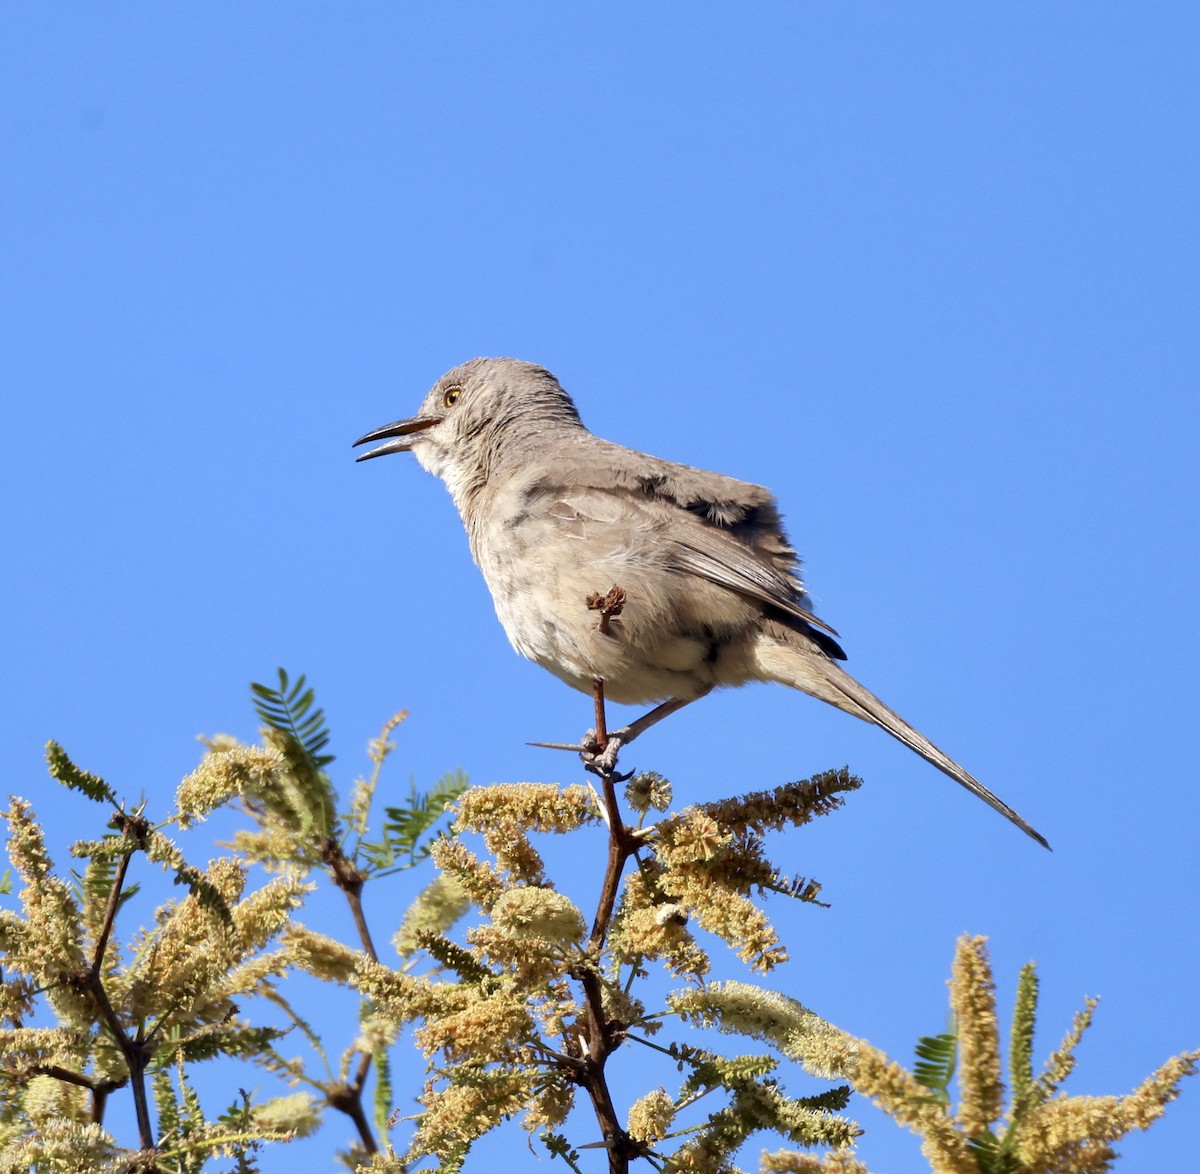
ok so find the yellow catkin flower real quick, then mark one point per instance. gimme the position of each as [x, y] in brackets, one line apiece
[480, 881]
[691, 836]
[899, 1094]
[531, 961]
[49, 943]
[456, 1115]
[16, 996]
[261, 916]
[711, 870]
[790, 805]
[734, 918]
[487, 1029]
[801, 1035]
[973, 1000]
[648, 925]
[527, 807]
[379, 748]
[549, 1108]
[323, 957]
[1062, 1060]
[48, 1099]
[648, 790]
[227, 770]
[61, 1145]
[650, 1116]
[273, 847]
[297, 1115]
[403, 997]
[840, 1161]
[516, 855]
[1056, 1134]
[438, 906]
[1148, 1101]
[187, 962]
[540, 914]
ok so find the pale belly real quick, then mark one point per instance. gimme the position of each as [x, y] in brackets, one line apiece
[655, 649]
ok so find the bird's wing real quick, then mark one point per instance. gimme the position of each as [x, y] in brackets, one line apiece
[723, 559]
[721, 529]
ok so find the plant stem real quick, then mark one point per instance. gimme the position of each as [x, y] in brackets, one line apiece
[348, 1097]
[604, 1036]
[135, 1053]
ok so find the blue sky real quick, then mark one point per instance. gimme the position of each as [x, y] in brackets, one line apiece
[929, 272]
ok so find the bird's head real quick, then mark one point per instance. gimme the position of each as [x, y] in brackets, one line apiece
[482, 414]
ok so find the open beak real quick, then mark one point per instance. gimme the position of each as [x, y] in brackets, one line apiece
[402, 430]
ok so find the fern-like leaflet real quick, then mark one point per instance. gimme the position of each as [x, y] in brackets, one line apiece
[937, 1056]
[289, 709]
[404, 827]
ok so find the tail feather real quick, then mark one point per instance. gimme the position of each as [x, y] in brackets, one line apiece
[804, 667]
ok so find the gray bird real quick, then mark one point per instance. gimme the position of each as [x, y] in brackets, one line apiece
[554, 515]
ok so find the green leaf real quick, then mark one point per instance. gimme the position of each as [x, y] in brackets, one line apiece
[832, 1100]
[304, 795]
[934, 1067]
[557, 1146]
[406, 827]
[992, 1155]
[216, 1040]
[287, 709]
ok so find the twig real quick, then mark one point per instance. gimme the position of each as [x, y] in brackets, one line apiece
[110, 915]
[603, 1035]
[136, 1054]
[348, 1098]
[77, 1078]
[620, 847]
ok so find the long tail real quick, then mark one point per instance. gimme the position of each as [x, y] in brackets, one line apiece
[795, 661]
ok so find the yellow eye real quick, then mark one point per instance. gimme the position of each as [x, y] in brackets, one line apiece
[451, 396]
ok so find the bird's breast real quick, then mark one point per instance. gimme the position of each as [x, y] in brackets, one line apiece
[544, 574]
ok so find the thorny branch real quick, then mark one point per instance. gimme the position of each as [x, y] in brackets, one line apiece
[348, 1098]
[605, 1035]
[134, 1049]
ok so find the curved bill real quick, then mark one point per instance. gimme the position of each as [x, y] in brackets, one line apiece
[402, 430]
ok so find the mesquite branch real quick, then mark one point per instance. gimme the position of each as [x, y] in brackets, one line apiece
[133, 1048]
[348, 1098]
[603, 1035]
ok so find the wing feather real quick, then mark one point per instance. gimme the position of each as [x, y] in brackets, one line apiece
[726, 531]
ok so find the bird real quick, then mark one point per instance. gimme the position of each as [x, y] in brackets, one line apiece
[704, 587]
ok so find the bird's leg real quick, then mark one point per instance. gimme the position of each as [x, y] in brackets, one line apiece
[601, 723]
[599, 749]
[626, 734]
[605, 759]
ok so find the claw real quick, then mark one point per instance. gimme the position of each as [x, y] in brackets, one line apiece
[601, 761]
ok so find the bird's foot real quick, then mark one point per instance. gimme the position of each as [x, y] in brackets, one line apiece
[600, 757]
